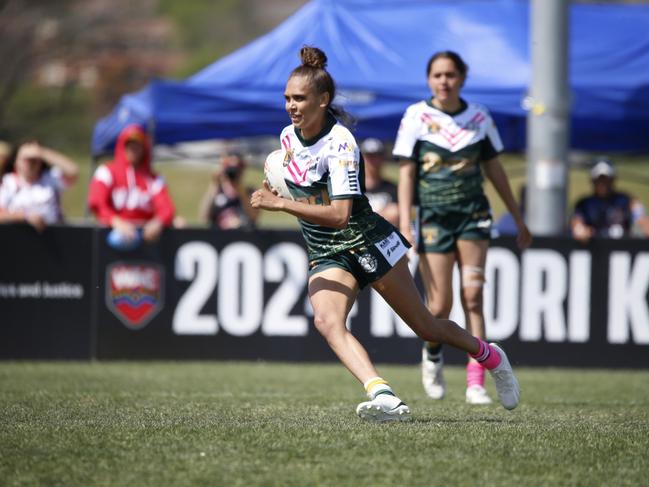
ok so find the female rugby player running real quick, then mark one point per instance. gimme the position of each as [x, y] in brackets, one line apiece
[350, 246]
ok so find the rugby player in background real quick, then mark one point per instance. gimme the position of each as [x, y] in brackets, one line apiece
[445, 147]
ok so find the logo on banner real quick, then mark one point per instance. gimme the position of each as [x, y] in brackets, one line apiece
[134, 292]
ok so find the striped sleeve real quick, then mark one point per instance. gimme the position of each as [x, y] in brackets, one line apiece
[344, 168]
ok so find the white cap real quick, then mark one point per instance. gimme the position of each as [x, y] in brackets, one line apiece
[372, 146]
[602, 167]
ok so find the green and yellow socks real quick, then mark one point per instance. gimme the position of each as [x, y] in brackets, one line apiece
[377, 386]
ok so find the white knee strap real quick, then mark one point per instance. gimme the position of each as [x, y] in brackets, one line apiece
[472, 276]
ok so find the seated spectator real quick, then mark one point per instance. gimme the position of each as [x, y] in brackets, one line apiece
[126, 195]
[382, 194]
[31, 193]
[607, 213]
[226, 203]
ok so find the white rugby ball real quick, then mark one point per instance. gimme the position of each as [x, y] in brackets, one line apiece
[274, 173]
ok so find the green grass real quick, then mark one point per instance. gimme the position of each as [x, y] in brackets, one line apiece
[187, 184]
[213, 423]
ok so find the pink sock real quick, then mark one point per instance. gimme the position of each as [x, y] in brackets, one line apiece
[474, 374]
[487, 356]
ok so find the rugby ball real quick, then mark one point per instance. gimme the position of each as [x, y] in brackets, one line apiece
[274, 173]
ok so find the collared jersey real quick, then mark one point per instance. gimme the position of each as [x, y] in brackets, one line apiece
[328, 167]
[447, 149]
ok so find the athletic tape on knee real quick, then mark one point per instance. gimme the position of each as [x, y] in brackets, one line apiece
[472, 276]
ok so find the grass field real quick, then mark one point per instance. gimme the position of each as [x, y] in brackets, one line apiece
[243, 424]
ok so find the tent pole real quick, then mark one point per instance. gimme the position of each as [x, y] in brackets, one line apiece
[548, 118]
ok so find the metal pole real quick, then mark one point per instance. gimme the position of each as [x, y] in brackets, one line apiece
[548, 118]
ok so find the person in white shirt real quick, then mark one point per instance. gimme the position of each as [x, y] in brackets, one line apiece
[31, 193]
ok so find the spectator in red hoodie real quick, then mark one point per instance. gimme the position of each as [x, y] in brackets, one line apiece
[127, 195]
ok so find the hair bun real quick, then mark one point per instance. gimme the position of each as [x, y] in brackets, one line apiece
[313, 57]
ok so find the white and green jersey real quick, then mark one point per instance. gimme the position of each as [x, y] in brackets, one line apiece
[328, 167]
[448, 149]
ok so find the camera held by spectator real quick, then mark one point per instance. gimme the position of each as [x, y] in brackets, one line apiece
[232, 167]
[226, 203]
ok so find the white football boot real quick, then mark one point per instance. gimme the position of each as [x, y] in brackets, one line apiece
[383, 408]
[476, 394]
[432, 376]
[507, 387]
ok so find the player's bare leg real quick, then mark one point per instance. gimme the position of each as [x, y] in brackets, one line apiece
[398, 288]
[472, 256]
[332, 293]
[436, 270]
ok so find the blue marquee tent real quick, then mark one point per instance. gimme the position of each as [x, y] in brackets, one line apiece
[377, 52]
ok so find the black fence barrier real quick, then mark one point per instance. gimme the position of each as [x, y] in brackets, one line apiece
[201, 294]
[46, 293]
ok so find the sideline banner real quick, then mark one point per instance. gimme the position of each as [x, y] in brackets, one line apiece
[207, 294]
[45, 292]
[242, 295]
[204, 294]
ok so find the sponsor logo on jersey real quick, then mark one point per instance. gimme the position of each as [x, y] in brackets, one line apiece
[430, 235]
[433, 126]
[484, 223]
[368, 262]
[288, 157]
[432, 162]
[393, 247]
[134, 292]
[389, 244]
[385, 243]
[461, 166]
[345, 147]
[350, 164]
[483, 217]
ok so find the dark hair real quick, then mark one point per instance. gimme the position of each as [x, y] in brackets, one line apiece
[10, 165]
[460, 65]
[233, 164]
[313, 68]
